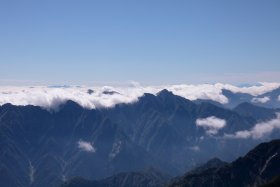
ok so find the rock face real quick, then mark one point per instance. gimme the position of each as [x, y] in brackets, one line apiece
[45, 148]
[257, 167]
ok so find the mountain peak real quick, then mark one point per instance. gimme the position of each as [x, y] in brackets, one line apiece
[70, 105]
[164, 93]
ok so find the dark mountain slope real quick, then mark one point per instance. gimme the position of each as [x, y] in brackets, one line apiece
[165, 126]
[41, 148]
[213, 163]
[257, 167]
[274, 183]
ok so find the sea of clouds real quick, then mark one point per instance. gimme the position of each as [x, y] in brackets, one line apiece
[50, 97]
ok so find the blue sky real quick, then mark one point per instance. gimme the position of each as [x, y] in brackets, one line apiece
[152, 42]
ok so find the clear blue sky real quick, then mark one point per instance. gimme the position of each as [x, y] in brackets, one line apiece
[149, 41]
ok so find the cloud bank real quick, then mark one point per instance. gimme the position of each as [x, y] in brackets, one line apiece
[86, 146]
[105, 96]
[260, 130]
[211, 124]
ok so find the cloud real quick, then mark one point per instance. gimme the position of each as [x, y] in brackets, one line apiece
[260, 99]
[260, 89]
[52, 97]
[195, 148]
[86, 146]
[116, 149]
[260, 130]
[201, 91]
[211, 124]
[105, 96]
[279, 98]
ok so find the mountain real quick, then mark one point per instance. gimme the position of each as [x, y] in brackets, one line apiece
[235, 99]
[255, 112]
[273, 101]
[268, 99]
[274, 183]
[44, 148]
[147, 178]
[257, 167]
[165, 126]
[39, 148]
[213, 163]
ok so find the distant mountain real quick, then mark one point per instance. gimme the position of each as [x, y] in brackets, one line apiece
[255, 112]
[268, 100]
[44, 148]
[274, 97]
[257, 167]
[147, 178]
[235, 99]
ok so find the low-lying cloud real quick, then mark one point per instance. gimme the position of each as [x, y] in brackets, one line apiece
[260, 130]
[97, 97]
[211, 124]
[260, 99]
[195, 148]
[86, 146]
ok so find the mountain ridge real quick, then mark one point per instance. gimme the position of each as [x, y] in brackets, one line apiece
[156, 131]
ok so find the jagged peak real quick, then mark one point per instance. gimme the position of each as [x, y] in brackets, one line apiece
[164, 93]
[70, 105]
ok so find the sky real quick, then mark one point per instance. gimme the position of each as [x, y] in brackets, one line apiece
[89, 42]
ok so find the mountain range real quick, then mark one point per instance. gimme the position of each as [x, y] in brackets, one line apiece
[269, 99]
[257, 168]
[165, 132]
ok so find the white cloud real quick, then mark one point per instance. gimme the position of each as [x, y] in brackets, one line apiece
[104, 96]
[116, 149]
[195, 148]
[86, 146]
[31, 173]
[264, 87]
[260, 130]
[211, 124]
[201, 91]
[260, 99]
